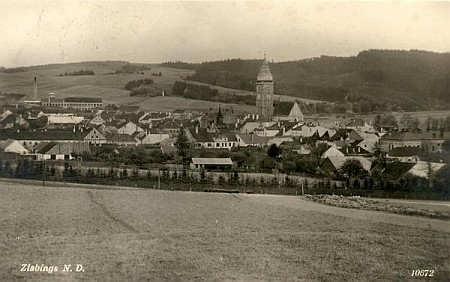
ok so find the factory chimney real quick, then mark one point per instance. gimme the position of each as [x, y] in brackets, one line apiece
[35, 93]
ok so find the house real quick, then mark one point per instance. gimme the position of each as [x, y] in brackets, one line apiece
[392, 170]
[428, 141]
[94, 137]
[60, 150]
[251, 139]
[63, 118]
[97, 120]
[152, 117]
[332, 152]
[405, 154]
[121, 139]
[360, 125]
[287, 111]
[424, 169]
[211, 163]
[12, 146]
[353, 149]
[267, 131]
[294, 146]
[128, 128]
[170, 127]
[250, 126]
[29, 139]
[370, 143]
[155, 138]
[334, 164]
[209, 140]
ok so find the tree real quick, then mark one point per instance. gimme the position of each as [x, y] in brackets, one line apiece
[385, 121]
[353, 168]
[273, 151]
[182, 145]
[268, 163]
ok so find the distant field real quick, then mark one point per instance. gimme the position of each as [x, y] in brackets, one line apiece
[128, 234]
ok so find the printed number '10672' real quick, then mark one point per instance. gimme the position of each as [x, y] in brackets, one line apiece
[422, 272]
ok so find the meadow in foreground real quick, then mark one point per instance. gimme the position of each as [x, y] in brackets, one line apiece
[132, 234]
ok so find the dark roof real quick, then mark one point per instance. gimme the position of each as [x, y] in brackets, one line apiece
[8, 119]
[46, 146]
[114, 138]
[128, 109]
[42, 135]
[83, 99]
[405, 152]
[282, 108]
[342, 132]
[202, 136]
[413, 136]
[395, 170]
[107, 115]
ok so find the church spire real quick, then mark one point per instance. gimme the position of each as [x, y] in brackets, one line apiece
[264, 72]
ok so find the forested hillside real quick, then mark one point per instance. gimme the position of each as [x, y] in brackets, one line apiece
[372, 81]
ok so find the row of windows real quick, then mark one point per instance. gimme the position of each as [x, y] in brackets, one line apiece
[219, 145]
[73, 105]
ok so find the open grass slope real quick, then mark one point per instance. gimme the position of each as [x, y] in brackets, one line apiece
[130, 234]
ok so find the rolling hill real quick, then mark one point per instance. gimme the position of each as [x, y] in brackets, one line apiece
[383, 79]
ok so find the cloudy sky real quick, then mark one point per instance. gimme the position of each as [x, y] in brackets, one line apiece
[41, 32]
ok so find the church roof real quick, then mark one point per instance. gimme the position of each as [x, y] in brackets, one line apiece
[283, 108]
[264, 73]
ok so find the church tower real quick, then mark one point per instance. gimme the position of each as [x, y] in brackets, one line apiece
[264, 92]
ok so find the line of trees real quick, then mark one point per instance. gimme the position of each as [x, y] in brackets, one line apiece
[80, 72]
[203, 92]
[130, 85]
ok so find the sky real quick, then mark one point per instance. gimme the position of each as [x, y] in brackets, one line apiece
[43, 32]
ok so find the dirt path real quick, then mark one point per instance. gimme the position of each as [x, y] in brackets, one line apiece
[374, 216]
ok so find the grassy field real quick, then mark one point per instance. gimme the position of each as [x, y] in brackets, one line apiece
[131, 234]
